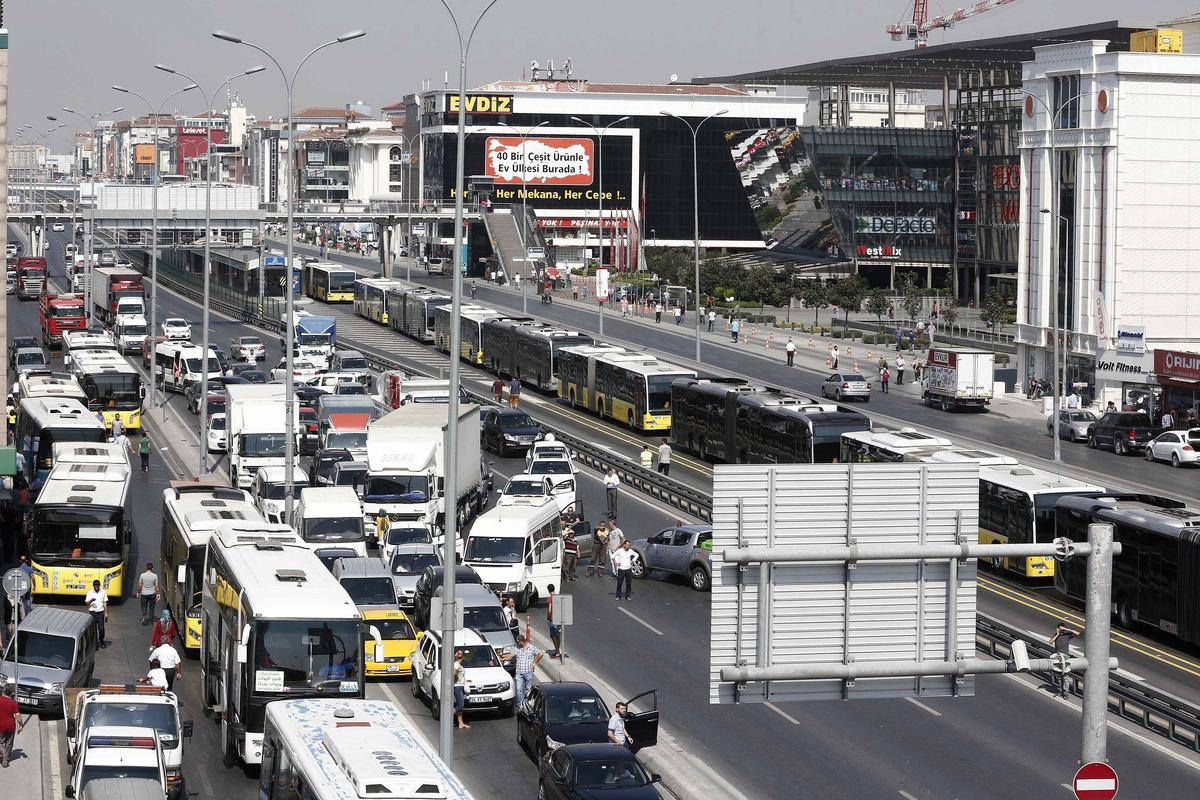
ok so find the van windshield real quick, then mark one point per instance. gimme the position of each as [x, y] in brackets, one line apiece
[485, 618]
[278, 491]
[495, 549]
[43, 650]
[370, 591]
[413, 563]
[397, 534]
[334, 529]
[346, 440]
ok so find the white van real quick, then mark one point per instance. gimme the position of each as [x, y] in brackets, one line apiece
[179, 364]
[518, 549]
[331, 516]
[270, 490]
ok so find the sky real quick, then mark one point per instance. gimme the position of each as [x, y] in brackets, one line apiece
[70, 52]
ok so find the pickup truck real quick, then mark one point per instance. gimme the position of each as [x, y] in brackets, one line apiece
[681, 550]
[1124, 431]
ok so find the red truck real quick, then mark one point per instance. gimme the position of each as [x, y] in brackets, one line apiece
[59, 313]
[110, 285]
[31, 277]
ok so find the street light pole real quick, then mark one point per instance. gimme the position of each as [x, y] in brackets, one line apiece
[450, 495]
[524, 207]
[202, 404]
[695, 131]
[600, 206]
[289, 467]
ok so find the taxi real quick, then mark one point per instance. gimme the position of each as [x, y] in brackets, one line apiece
[399, 641]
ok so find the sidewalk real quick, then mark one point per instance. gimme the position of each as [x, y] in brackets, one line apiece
[25, 768]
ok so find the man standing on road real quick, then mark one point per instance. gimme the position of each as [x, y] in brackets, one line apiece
[1061, 642]
[735, 327]
[570, 557]
[555, 629]
[147, 584]
[623, 563]
[658, 312]
[168, 659]
[616, 727]
[712, 317]
[611, 482]
[834, 357]
[10, 723]
[122, 441]
[899, 370]
[664, 458]
[498, 390]
[117, 428]
[678, 315]
[1168, 420]
[144, 450]
[646, 457]
[599, 551]
[790, 347]
[884, 377]
[514, 392]
[97, 605]
[526, 657]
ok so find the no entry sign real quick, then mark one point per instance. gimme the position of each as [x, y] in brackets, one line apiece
[1095, 781]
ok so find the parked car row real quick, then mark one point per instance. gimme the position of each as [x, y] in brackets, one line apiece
[1128, 432]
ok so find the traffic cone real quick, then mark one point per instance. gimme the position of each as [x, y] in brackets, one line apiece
[767, 343]
[856, 366]
[828, 362]
[870, 357]
[849, 349]
[810, 343]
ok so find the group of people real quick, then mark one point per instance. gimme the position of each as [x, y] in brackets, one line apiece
[513, 385]
[661, 456]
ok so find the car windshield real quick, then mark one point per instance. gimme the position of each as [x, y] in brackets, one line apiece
[278, 491]
[550, 466]
[391, 630]
[325, 464]
[43, 650]
[300, 656]
[263, 444]
[352, 362]
[159, 716]
[560, 710]
[397, 489]
[413, 563]
[217, 423]
[516, 421]
[30, 358]
[370, 591]
[1082, 416]
[485, 618]
[516, 488]
[610, 773]
[254, 376]
[479, 655]
[397, 535]
[334, 529]
[346, 440]
[495, 549]
[350, 389]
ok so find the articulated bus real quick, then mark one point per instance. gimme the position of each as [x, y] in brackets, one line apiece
[43, 422]
[1156, 578]
[333, 749]
[470, 324]
[370, 298]
[83, 522]
[43, 383]
[736, 422]
[527, 349]
[631, 388]
[498, 341]
[112, 385]
[419, 309]
[890, 446]
[276, 626]
[1016, 506]
[329, 283]
[192, 512]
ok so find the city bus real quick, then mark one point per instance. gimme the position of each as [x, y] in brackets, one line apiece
[191, 513]
[329, 283]
[276, 625]
[332, 749]
[497, 340]
[370, 296]
[85, 341]
[112, 385]
[631, 388]
[1016, 506]
[529, 350]
[470, 325]
[1156, 578]
[43, 422]
[419, 306]
[890, 446]
[43, 383]
[83, 522]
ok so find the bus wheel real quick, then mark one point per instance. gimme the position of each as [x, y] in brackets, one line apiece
[1124, 614]
[630, 419]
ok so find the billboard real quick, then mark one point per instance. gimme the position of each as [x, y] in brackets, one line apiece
[560, 162]
[143, 154]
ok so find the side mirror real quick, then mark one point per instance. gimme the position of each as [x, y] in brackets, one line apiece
[181, 574]
[242, 655]
[529, 560]
[71, 728]
[655, 777]
[186, 729]
[69, 792]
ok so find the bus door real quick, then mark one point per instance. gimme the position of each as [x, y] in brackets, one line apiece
[1156, 588]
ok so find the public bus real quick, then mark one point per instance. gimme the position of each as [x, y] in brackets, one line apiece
[470, 325]
[631, 388]
[276, 626]
[1156, 578]
[83, 522]
[44, 383]
[370, 298]
[43, 422]
[191, 513]
[497, 340]
[1016, 506]
[332, 749]
[329, 283]
[419, 308]
[87, 341]
[890, 446]
[522, 347]
[112, 385]
[736, 422]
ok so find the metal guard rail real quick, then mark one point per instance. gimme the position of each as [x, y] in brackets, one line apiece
[1153, 709]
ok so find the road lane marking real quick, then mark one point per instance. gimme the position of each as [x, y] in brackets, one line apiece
[1068, 787]
[55, 774]
[638, 619]
[779, 711]
[921, 705]
[906, 795]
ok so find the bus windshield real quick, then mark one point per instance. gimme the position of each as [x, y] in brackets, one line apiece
[77, 532]
[658, 401]
[340, 281]
[263, 444]
[334, 529]
[294, 656]
[397, 489]
[122, 390]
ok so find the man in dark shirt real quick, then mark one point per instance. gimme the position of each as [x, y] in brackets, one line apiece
[10, 723]
[1061, 641]
[570, 556]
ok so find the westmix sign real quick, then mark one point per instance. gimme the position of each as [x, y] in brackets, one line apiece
[543, 161]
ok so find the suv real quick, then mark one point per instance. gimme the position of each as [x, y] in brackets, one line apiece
[488, 685]
[1124, 431]
[682, 550]
[428, 584]
[505, 429]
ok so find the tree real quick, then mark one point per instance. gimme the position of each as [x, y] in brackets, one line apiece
[879, 305]
[994, 312]
[814, 294]
[949, 312]
[848, 293]
[910, 298]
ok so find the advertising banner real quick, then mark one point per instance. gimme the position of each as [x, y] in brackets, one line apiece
[1114, 365]
[143, 154]
[1177, 365]
[1130, 339]
[602, 285]
[539, 160]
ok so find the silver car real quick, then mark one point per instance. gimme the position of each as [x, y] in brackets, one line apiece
[1073, 424]
[844, 385]
[406, 563]
[247, 348]
[27, 359]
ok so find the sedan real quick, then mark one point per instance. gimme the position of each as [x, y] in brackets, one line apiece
[301, 369]
[58, 227]
[505, 429]
[251, 375]
[572, 712]
[406, 562]
[1178, 447]
[846, 385]
[216, 434]
[1073, 424]
[247, 348]
[520, 487]
[585, 771]
[176, 329]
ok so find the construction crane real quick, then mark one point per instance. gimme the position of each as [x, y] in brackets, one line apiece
[918, 30]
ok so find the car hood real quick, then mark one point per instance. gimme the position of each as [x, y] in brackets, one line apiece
[619, 793]
[578, 732]
[407, 582]
[36, 677]
[499, 639]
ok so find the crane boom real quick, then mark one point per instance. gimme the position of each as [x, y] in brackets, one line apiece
[959, 14]
[921, 24]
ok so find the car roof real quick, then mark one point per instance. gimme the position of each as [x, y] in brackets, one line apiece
[591, 751]
[465, 637]
[568, 689]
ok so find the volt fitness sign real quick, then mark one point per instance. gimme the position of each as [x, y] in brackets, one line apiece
[904, 226]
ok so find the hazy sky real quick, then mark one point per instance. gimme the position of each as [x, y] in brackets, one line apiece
[69, 52]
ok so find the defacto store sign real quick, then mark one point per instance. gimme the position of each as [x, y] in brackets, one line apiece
[1174, 364]
[481, 103]
[1114, 365]
[1130, 339]
[909, 226]
[539, 161]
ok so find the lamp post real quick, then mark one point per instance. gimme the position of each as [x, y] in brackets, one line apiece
[695, 131]
[450, 528]
[42, 234]
[600, 206]
[289, 468]
[524, 206]
[407, 171]
[208, 170]
[153, 229]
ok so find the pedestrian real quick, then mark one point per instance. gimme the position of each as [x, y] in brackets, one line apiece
[599, 550]
[611, 482]
[1110, 407]
[164, 630]
[899, 370]
[884, 377]
[658, 309]
[1061, 642]
[712, 317]
[10, 722]
[169, 661]
[514, 392]
[27, 598]
[622, 561]
[646, 457]
[882, 363]
[735, 328]
[148, 590]
[790, 348]
[517, 281]
[97, 605]
[509, 607]
[835, 357]
[498, 390]
[664, 457]
[117, 427]
[156, 676]
[144, 450]
[570, 557]
[555, 629]
[526, 658]
[678, 315]
[1168, 420]
[616, 727]
[616, 537]
[460, 689]
[122, 441]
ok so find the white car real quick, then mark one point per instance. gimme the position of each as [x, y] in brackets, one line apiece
[527, 489]
[301, 370]
[561, 474]
[488, 684]
[549, 447]
[328, 381]
[216, 434]
[1178, 447]
[58, 227]
[176, 329]
[399, 533]
[247, 348]
[316, 355]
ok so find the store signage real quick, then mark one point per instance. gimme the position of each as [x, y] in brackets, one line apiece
[1113, 365]
[481, 103]
[911, 226]
[418, 229]
[191, 131]
[1006, 177]
[1130, 339]
[1174, 364]
[511, 159]
[885, 251]
[609, 222]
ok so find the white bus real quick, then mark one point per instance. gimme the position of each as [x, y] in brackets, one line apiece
[192, 512]
[112, 385]
[43, 422]
[887, 446]
[42, 383]
[276, 626]
[349, 750]
[81, 341]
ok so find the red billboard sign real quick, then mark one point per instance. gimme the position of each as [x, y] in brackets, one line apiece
[542, 160]
[1175, 364]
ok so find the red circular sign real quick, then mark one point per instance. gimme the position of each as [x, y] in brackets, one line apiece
[1095, 781]
[1028, 106]
[1102, 101]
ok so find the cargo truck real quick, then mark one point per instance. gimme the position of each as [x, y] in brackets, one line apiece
[31, 277]
[959, 378]
[58, 314]
[110, 285]
[256, 418]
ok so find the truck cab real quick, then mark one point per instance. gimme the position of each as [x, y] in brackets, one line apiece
[117, 751]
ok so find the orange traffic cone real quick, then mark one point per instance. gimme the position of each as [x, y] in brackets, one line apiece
[828, 362]
[856, 366]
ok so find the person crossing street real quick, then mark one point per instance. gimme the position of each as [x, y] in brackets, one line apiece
[790, 348]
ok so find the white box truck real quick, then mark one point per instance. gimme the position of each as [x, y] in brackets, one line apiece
[407, 466]
[256, 420]
[959, 378]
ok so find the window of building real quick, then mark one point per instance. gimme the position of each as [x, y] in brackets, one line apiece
[1064, 100]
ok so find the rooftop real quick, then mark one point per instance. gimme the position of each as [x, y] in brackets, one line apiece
[323, 112]
[577, 87]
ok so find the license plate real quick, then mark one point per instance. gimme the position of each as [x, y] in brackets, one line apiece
[478, 700]
[393, 667]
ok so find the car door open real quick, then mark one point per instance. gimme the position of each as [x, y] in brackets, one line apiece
[641, 719]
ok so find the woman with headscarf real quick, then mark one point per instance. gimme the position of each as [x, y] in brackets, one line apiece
[164, 630]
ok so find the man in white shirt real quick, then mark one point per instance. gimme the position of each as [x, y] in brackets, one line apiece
[664, 458]
[167, 658]
[790, 349]
[156, 677]
[622, 561]
[615, 537]
[611, 482]
[97, 605]
[616, 727]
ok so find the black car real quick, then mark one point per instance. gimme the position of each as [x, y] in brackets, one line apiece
[587, 771]
[1124, 431]
[572, 712]
[321, 467]
[507, 429]
[308, 395]
[225, 380]
[428, 584]
[250, 373]
[191, 393]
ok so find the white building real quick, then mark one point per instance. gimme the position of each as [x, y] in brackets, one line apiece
[1130, 218]
[868, 107]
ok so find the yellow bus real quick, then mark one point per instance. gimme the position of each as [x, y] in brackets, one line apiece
[83, 522]
[112, 385]
[631, 388]
[329, 283]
